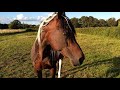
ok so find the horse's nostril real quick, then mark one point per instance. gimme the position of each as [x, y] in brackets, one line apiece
[81, 60]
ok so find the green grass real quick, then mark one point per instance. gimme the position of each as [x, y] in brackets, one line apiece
[102, 57]
[113, 32]
[15, 55]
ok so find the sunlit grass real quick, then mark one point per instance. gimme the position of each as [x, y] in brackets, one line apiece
[102, 57]
[10, 30]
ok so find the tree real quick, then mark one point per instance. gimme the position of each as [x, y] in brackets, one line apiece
[3, 26]
[96, 22]
[16, 24]
[102, 23]
[118, 22]
[111, 22]
[75, 22]
[84, 21]
[90, 21]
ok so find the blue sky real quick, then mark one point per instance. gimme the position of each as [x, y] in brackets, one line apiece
[35, 17]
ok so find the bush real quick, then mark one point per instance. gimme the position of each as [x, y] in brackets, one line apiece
[3, 26]
[30, 30]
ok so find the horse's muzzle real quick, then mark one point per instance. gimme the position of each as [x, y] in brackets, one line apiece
[81, 60]
[78, 62]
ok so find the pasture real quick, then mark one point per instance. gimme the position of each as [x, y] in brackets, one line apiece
[102, 57]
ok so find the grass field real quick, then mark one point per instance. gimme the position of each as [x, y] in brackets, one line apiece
[102, 57]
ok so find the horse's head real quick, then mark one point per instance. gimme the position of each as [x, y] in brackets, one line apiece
[60, 34]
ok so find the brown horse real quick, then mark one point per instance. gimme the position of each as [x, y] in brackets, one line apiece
[55, 40]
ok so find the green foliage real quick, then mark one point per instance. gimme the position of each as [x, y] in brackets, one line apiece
[30, 30]
[102, 23]
[90, 21]
[3, 26]
[75, 22]
[112, 22]
[28, 26]
[118, 21]
[16, 24]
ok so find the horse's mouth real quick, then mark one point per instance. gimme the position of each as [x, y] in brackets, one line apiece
[75, 62]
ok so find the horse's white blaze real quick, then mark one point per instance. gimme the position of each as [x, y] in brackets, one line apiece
[59, 68]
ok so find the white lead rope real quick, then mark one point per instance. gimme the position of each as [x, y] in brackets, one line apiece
[59, 68]
[67, 22]
[46, 21]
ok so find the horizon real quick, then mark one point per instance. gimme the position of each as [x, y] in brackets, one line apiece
[34, 18]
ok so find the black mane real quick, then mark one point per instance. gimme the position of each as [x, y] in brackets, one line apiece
[69, 30]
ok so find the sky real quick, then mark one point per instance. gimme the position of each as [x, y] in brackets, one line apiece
[36, 17]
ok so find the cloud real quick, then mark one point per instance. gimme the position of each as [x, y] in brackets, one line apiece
[40, 18]
[20, 17]
[28, 20]
[49, 14]
[24, 19]
[5, 20]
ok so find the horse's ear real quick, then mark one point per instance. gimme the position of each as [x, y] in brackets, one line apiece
[61, 14]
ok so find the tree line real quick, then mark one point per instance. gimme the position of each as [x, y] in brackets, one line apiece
[82, 22]
[16, 24]
[90, 21]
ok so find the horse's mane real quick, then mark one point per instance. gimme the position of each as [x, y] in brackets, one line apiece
[69, 29]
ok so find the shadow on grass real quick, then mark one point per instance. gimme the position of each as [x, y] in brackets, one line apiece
[113, 71]
[13, 33]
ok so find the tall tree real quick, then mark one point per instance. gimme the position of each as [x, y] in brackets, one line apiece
[75, 22]
[102, 23]
[84, 21]
[16, 24]
[118, 22]
[111, 22]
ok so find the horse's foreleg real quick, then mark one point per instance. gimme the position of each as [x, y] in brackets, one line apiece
[38, 68]
[39, 73]
[39, 63]
[53, 71]
[41, 49]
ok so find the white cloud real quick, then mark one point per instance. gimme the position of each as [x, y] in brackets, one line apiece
[25, 19]
[49, 14]
[20, 17]
[40, 18]
[5, 20]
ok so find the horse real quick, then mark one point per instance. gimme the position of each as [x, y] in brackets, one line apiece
[55, 40]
